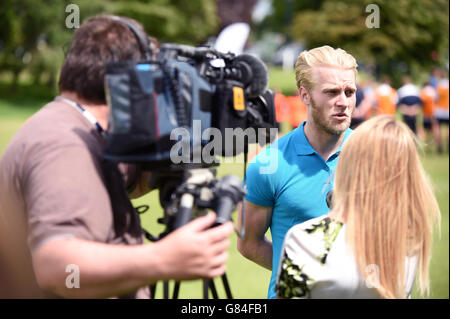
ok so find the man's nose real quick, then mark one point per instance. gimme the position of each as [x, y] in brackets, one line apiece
[343, 100]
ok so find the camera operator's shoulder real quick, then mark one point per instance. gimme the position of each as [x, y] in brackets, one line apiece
[54, 126]
[56, 123]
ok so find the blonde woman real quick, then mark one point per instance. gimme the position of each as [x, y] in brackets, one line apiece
[377, 237]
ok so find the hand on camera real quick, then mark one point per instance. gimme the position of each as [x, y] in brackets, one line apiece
[196, 250]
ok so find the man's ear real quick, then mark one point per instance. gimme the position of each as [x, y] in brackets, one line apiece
[304, 95]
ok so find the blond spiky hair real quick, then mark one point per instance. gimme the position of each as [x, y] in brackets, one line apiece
[321, 56]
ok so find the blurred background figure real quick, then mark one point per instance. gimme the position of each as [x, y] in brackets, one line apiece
[409, 103]
[358, 115]
[430, 127]
[441, 109]
[386, 97]
[298, 111]
[282, 109]
[434, 77]
[365, 102]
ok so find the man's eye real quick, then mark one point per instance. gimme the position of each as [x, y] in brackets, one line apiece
[349, 92]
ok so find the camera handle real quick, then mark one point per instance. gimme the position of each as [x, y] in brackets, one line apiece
[228, 192]
[185, 210]
[196, 177]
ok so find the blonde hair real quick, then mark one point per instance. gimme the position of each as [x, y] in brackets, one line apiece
[321, 56]
[385, 198]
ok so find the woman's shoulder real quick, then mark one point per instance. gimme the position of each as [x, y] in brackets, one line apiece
[314, 238]
[320, 227]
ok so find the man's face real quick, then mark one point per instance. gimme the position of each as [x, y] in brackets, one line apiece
[332, 99]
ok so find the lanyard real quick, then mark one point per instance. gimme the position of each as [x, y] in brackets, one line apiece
[85, 113]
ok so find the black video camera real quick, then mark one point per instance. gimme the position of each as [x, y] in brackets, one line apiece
[177, 112]
[180, 111]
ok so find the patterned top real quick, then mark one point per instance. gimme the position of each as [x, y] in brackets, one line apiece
[318, 263]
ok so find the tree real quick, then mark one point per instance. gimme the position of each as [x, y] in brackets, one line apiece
[33, 33]
[283, 12]
[23, 24]
[232, 11]
[410, 33]
[190, 22]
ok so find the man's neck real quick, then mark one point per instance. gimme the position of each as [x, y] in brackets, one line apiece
[99, 111]
[323, 142]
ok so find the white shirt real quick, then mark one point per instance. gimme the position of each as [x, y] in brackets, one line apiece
[408, 90]
[316, 262]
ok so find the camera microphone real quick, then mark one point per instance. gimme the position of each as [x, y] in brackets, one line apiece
[193, 52]
[254, 74]
[246, 68]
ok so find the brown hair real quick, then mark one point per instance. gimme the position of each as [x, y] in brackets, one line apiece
[99, 40]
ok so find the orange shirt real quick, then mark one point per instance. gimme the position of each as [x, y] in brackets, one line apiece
[442, 92]
[387, 99]
[428, 96]
[282, 107]
[298, 111]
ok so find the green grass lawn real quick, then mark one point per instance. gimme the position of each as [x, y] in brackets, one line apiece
[247, 280]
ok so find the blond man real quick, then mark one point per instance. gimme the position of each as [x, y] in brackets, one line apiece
[306, 158]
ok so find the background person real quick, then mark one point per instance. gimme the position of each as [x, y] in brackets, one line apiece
[361, 108]
[430, 125]
[409, 103]
[441, 108]
[377, 237]
[298, 111]
[61, 205]
[306, 157]
[386, 97]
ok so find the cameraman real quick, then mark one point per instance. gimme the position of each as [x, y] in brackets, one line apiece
[62, 206]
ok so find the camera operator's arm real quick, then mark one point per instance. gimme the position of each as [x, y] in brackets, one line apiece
[193, 251]
[254, 245]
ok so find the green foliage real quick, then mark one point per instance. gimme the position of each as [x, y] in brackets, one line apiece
[282, 14]
[412, 36]
[409, 32]
[24, 24]
[33, 33]
[172, 20]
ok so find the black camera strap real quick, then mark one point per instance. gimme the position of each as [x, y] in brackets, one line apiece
[147, 48]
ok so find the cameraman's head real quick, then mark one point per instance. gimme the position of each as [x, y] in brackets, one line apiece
[326, 79]
[99, 40]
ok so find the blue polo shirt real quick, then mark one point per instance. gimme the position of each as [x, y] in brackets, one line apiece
[290, 176]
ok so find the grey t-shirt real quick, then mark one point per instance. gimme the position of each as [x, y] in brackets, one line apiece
[52, 185]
